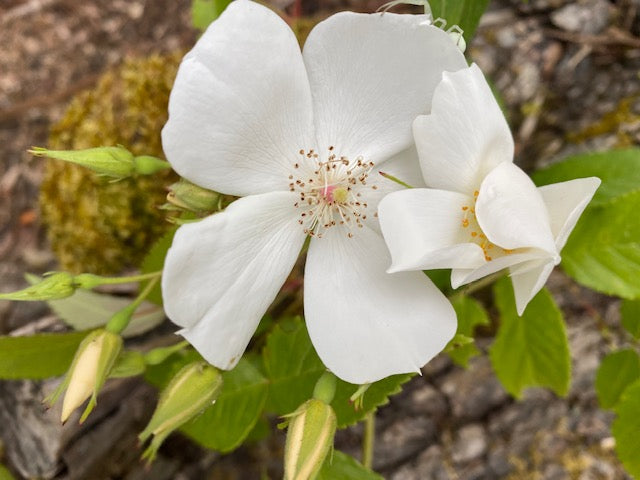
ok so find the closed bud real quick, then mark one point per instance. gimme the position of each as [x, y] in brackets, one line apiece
[92, 364]
[184, 195]
[309, 440]
[114, 162]
[52, 286]
[193, 389]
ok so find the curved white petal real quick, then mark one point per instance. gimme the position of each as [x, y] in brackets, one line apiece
[565, 202]
[530, 282]
[405, 167]
[511, 212]
[370, 76]
[240, 108]
[364, 323]
[222, 273]
[423, 230]
[466, 134]
[461, 276]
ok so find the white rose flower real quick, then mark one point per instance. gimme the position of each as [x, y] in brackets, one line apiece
[301, 137]
[482, 213]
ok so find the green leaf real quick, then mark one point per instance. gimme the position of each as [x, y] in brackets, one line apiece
[293, 368]
[630, 313]
[625, 429]
[5, 474]
[154, 261]
[203, 12]
[344, 467]
[38, 356]
[470, 315]
[376, 395]
[86, 310]
[464, 13]
[619, 171]
[603, 252]
[225, 424]
[531, 350]
[617, 371]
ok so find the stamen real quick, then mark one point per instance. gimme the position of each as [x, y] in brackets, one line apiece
[334, 191]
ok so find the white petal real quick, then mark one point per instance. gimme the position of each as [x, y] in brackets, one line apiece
[367, 324]
[465, 136]
[240, 108]
[222, 273]
[423, 230]
[511, 212]
[370, 76]
[405, 167]
[565, 202]
[527, 284]
[463, 276]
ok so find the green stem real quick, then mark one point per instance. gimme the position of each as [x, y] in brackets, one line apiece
[368, 439]
[133, 278]
[121, 319]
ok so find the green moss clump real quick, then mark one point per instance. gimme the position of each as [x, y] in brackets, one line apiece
[94, 224]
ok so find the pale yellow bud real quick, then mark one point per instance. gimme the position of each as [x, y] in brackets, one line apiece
[309, 440]
[83, 377]
[92, 364]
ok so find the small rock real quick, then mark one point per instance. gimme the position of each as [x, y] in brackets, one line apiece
[428, 401]
[403, 439]
[474, 392]
[591, 16]
[499, 464]
[471, 443]
[555, 472]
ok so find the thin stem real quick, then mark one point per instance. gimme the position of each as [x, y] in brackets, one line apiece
[133, 278]
[121, 319]
[368, 439]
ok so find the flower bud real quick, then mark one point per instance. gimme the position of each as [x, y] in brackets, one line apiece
[91, 366]
[52, 286]
[114, 162]
[309, 440]
[186, 196]
[193, 389]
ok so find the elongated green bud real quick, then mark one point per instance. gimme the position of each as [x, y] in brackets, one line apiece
[52, 286]
[309, 440]
[114, 162]
[184, 195]
[92, 364]
[193, 389]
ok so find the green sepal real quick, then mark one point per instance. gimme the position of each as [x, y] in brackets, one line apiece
[111, 348]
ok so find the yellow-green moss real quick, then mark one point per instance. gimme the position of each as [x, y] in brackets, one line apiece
[94, 224]
[612, 122]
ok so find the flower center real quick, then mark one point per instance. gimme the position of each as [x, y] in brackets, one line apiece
[330, 191]
[470, 223]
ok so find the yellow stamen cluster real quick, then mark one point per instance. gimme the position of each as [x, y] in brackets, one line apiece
[470, 221]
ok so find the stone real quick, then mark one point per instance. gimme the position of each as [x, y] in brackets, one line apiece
[589, 17]
[470, 444]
